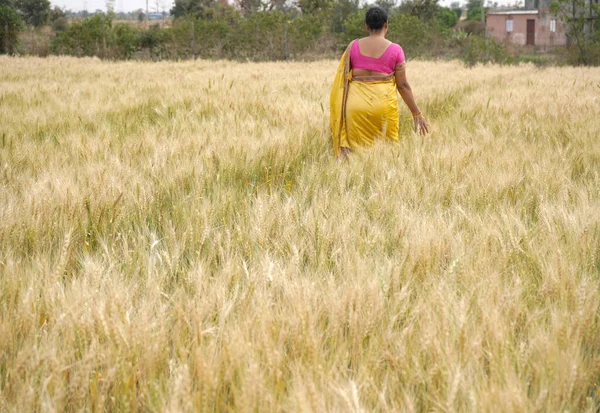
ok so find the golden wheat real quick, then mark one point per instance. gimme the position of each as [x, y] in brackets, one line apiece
[176, 237]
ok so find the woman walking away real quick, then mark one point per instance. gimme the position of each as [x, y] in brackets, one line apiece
[364, 104]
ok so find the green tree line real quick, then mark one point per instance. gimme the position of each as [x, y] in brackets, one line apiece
[258, 30]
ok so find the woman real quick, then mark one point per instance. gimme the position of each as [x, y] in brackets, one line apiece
[363, 99]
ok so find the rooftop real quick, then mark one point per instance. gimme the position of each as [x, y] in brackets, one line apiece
[514, 12]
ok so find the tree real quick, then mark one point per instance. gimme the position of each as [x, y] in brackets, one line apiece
[423, 9]
[386, 5]
[341, 11]
[446, 17]
[472, 4]
[58, 19]
[34, 12]
[196, 8]
[580, 18]
[475, 14]
[56, 13]
[456, 8]
[10, 25]
[315, 6]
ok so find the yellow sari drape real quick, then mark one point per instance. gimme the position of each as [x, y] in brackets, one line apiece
[361, 108]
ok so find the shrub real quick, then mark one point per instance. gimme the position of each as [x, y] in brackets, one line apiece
[408, 31]
[446, 17]
[477, 51]
[125, 41]
[60, 24]
[159, 43]
[304, 32]
[87, 38]
[475, 14]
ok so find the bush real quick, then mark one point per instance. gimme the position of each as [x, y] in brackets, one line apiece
[224, 32]
[475, 14]
[91, 37]
[408, 31]
[261, 36]
[472, 27]
[304, 32]
[478, 52]
[60, 24]
[446, 17]
[158, 43]
[458, 11]
[125, 39]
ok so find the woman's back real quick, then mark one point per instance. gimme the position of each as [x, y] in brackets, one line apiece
[375, 56]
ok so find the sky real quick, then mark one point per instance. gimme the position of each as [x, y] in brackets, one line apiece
[120, 5]
[130, 5]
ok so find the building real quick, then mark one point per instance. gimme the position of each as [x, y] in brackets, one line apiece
[535, 26]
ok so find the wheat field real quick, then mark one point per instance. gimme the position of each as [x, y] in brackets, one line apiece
[177, 237]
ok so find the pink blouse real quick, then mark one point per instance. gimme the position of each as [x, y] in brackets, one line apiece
[386, 63]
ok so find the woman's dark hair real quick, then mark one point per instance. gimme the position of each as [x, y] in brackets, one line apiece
[376, 17]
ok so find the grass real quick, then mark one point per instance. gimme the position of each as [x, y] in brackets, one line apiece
[177, 237]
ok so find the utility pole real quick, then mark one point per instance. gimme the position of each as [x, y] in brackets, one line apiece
[194, 46]
[6, 38]
[147, 17]
[485, 34]
[287, 43]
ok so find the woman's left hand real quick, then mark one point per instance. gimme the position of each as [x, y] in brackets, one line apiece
[421, 125]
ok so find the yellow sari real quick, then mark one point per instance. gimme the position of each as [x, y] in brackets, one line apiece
[362, 108]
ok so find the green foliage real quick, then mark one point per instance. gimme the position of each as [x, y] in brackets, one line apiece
[409, 31]
[580, 27]
[423, 9]
[458, 11]
[58, 19]
[256, 34]
[342, 11]
[35, 12]
[60, 24]
[125, 39]
[88, 38]
[412, 33]
[446, 17]
[210, 29]
[314, 6]
[457, 39]
[56, 13]
[480, 50]
[304, 31]
[226, 34]
[354, 27]
[387, 5]
[472, 4]
[475, 14]
[9, 19]
[191, 7]
[158, 43]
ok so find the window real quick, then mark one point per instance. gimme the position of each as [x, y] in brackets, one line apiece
[509, 26]
[553, 26]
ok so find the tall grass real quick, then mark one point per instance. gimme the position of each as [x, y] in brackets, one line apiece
[177, 237]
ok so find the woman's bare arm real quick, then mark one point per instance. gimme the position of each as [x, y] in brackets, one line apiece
[405, 90]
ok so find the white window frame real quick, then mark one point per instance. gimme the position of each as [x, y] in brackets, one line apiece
[509, 25]
[553, 26]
